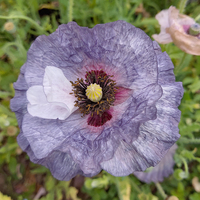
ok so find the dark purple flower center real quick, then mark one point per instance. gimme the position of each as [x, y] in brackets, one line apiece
[98, 111]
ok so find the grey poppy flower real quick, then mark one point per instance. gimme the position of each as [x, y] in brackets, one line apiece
[93, 99]
[160, 171]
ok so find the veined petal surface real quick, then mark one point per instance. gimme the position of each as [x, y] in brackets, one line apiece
[144, 117]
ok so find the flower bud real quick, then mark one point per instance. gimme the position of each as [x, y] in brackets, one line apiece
[196, 184]
[12, 130]
[194, 29]
[9, 27]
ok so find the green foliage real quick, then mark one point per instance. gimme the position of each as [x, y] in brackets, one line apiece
[195, 196]
[149, 196]
[19, 178]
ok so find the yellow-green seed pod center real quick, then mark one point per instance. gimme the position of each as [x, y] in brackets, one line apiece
[94, 92]
[194, 29]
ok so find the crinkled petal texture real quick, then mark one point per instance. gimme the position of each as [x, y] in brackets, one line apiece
[160, 171]
[144, 123]
[163, 19]
[174, 27]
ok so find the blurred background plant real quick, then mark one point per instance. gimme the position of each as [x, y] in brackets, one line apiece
[21, 21]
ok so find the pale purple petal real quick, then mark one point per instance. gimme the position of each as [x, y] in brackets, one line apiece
[163, 169]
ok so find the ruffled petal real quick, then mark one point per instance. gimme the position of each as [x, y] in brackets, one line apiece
[163, 169]
[125, 161]
[187, 43]
[173, 91]
[134, 157]
[87, 147]
[163, 19]
[43, 135]
[175, 18]
[60, 164]
[158, 133]
[19, 103]
[162, 38]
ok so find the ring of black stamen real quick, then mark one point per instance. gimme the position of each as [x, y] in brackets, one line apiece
[85, 105]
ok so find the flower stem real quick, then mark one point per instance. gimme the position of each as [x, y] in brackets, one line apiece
[185, 61]
[39, 28]
[182, 6]
[185, 165]
[190, 141]
[160, 189]
[70, 11]
[197, 18]
[136, 187]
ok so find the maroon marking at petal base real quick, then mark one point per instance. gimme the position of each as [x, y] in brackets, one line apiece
[97, 121]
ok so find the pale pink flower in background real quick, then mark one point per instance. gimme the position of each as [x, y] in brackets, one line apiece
[175, 28]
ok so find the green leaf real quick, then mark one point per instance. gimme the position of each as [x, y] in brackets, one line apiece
[50, 183]
[187, 154]
[197, 159]
[97, 183]
[195, 86]
[186, 59]
[180, 192]
[179, 174]
[123, 188]
[147, 197]
[59, 195]
[188, 80]
[194, 127]
[6, 111]
[8, 147]
[49, 196]
[39, 170]
[4, 94]
[178, 160]
[13, 165]
[195, 196]
[72, 193]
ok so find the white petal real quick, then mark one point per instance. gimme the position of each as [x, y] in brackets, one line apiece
[48, 111]
[35, 95]
[162, 37]
[40, 107]
[57, 87]
[163, 18]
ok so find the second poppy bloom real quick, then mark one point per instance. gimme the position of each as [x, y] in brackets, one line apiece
[180, 29]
